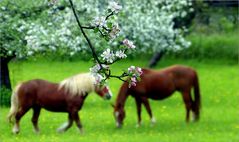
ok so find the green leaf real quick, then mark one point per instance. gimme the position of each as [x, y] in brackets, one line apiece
[96, 30]
[110, 24]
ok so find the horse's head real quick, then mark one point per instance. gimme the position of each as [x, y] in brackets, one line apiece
[119, 115]
[104, 91]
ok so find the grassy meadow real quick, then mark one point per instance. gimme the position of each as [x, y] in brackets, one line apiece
[219, 115]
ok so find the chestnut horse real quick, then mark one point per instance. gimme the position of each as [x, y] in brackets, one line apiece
[67, 96]
[158, 85]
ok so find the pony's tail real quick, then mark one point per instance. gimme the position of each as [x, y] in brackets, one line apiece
[197, 98]
[14, 105]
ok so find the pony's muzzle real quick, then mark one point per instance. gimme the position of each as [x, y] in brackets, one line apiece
[118, 125]
[108, 96]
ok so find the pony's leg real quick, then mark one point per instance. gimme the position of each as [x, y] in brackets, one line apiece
[66, 125]
[138, 105]
[76, 118]
[195, 111]
[19, 114]
[36, 113]
[188, 103]
[147, 106]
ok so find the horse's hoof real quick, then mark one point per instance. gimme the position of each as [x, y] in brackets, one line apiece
[138, 124]
[37, 131]
[60, 130]
[15, 131]
[153, 120]
[81, 131]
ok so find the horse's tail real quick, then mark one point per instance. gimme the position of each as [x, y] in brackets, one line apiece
[14, 104]
[197, 98]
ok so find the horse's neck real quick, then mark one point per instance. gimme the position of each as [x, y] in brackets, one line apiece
[122, 96]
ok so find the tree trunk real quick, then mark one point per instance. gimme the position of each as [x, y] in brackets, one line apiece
[157, 56]
[4, 76]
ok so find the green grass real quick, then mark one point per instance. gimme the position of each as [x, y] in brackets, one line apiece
[218, 123]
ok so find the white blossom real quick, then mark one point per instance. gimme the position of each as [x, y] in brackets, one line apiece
[128, 43]
[120, 54]
[134, 73]
[108, 56]
[95, 69]
[114, 6]
[99, 21]
[98, 78]
[114, 31]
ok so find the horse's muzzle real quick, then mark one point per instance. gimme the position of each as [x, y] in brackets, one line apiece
[118, 125]
[108, 96]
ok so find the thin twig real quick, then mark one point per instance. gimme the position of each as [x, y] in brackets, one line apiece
[90, 27]
[108, 16]
[83, 32]
[102, 33]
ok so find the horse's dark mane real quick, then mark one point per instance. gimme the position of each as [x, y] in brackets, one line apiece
[122, 96]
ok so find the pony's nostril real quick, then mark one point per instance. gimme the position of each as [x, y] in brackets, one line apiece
[118, 125]
[108, 96]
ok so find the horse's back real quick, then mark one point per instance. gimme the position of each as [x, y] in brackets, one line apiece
[30, 91]
[183, 76]
[33, 86]
[153, 84]
[166, 81]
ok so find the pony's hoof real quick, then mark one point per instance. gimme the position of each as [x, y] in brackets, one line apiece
[153, 120]
[37, 131]
[14, 131]
[81, 131]
[138, 124]
[60, 130]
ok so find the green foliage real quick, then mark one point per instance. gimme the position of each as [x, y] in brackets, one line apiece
[211, 46]
[5, 95]
[219, 119]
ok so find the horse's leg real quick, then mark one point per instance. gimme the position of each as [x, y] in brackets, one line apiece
[138, 105]
[188, 103]
[195, 111]
[36, 113]
[66, 125]
[147, 106]
[76, 118]
[19, 114]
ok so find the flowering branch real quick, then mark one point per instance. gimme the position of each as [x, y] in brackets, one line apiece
[83, 32]
[111, 14]
[109, 56]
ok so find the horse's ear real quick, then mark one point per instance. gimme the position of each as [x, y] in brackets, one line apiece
[112, 105]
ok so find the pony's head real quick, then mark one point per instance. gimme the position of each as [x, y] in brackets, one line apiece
[103, 91]
[119, 112]
[119, 115]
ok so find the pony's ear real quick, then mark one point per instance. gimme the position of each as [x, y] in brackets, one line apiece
[112, 105]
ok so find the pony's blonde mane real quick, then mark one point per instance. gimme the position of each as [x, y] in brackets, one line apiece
[79, 84]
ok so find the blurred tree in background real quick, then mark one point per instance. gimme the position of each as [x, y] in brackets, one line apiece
[36, 28]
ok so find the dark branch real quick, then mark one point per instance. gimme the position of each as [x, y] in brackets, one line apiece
[83, 32]
[107, 74]
[102, 33]
[108, 16]
[90, 27]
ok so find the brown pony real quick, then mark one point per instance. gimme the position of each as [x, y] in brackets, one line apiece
[67, 96]
[158, 85]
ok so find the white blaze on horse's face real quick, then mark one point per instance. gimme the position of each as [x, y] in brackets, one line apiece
[108, 94]
[116, 114]
[104, 92]
[116, 118]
